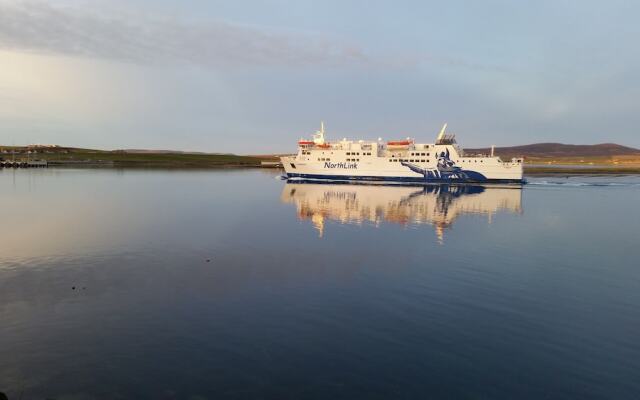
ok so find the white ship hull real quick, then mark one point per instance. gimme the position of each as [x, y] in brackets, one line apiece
[403, 161]
[377, 169]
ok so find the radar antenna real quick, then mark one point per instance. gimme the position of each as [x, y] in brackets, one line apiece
[443, 138]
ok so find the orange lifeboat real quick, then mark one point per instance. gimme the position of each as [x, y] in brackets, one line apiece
[305, 142]
[324, 146]
[399, 142]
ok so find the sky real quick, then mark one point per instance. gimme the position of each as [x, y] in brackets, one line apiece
[253, 77]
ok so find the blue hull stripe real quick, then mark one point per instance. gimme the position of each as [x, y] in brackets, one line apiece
[399, 179]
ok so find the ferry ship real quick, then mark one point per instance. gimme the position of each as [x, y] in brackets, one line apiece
[398, 160]
[436, 205]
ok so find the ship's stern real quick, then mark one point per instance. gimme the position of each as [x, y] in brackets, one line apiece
[514, 170]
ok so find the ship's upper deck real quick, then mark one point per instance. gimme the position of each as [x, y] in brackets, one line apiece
[381, 148]
[319, 142]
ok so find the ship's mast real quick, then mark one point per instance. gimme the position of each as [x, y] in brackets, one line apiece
[441, 134]
[318, 137]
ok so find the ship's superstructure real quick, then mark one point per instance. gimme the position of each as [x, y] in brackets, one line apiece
[398, 160]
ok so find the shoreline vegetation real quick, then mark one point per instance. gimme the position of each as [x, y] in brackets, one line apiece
[74, 157]
[533, 170]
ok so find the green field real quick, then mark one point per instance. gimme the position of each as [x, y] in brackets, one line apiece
[155, 159]
[583, 165]
[78, 157]
[68, 156]
[589, 160]
[580, 170]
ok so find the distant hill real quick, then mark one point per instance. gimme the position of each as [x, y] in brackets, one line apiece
[559, 150]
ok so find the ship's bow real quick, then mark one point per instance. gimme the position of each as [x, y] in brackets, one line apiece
[288, 164]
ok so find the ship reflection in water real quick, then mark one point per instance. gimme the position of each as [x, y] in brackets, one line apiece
[438, 205]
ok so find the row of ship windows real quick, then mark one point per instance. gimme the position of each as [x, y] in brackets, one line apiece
[405, 160]
[392, 160]
[304, 152]
[420, 154]
[348, 159]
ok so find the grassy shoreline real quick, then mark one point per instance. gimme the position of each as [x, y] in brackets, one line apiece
[581, 170]
[146, 160]
[85, 158]
[250, 163]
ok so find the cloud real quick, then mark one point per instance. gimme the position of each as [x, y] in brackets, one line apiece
[40, 27]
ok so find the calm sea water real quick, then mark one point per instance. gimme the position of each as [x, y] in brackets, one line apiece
[233, 284]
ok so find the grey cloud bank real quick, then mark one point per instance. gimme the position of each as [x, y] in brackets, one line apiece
[44, 28]
[247, 76]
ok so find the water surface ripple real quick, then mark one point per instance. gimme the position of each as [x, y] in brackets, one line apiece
[232, 284]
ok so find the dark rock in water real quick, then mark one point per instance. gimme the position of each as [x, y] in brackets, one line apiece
[73, 288]
[208, 260]
[3, 396]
